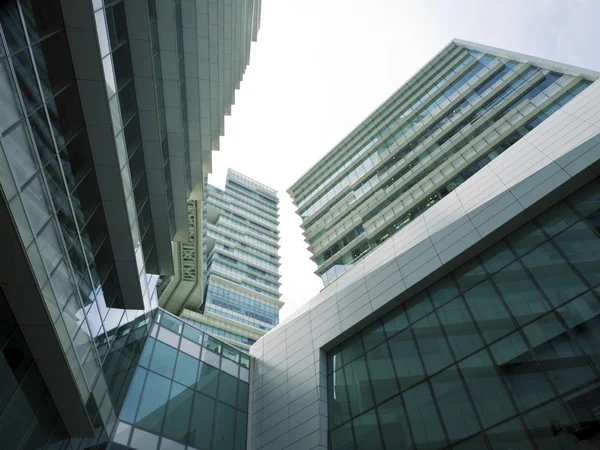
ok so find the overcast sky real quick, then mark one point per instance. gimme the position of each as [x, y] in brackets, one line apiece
[322, 66]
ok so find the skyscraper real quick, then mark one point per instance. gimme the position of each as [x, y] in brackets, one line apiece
[460, 111]
[237, 298]
[109, 112]
[457, 230]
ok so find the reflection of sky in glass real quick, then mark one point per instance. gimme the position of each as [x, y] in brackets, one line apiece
[109, 76]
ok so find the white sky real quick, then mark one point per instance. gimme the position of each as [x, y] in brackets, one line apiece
[321, 66]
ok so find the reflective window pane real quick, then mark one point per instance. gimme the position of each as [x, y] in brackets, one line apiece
[224, 418]
[407, 361]
[342, 438]
[432, 344]
[582, 317]
[548, 427]
[418, 306]
[455, 406]
[227, 389]
[550, 270]
[338, 404]
[207, 380]
[497, 257]
[178, 412]
[521, 372]
[558, 353]
[469, 274]
[163, 359]
[152, 407]
[521, 295]
[423, 417]
[201, 422]
[381, 373]
[460, 329]
[489, 312]
[359, 386]
[509, 436]
[557, 218]
[526, 238]
[367, 432]
[373, 335]
[394, 425]
[491, 399]
[582, 248]
[186, 370]
[395, 321]
[442, 291]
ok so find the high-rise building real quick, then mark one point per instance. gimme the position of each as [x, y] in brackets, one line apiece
[109, 111]
[464, 215]
[464, 108]
[237, 298]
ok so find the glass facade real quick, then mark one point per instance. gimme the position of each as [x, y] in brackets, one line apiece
[502, 353]
[188, 389]
[242, 293]
[458, 114]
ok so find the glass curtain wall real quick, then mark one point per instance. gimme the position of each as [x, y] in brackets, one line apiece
[187, 389]
[503, 353]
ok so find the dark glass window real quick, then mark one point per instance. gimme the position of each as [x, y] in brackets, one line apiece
[342, 438]
[339, 406]
[227, 389]
[117, 24]
[470, 274]
[395, 321]
[122, 64]
[491, 399]
[548, 427]
[373, 335]
[207, 380]
[394, 425]
[406, 359]
[127, 101]
[153, 402]
[178, 412]
[581, 246]
[54, 65]
[418, 306]
[242, 396]
[27, 80]
[489, 312]
[381, 373]
[526, 238]
[460, 329]
[186, 370]
[521, 372]
[432, 343]
[201, 422]
[455, 406]
[224, 418]
[509, 436]
[442, 291]
[367, 432]
[423, 417]
[163, 359]
[359, 386]
[551, 271]
[12, 26]
[523, 298]
[558, 353]
[42, 17]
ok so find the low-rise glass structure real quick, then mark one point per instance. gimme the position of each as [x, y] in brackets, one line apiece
[501, 353]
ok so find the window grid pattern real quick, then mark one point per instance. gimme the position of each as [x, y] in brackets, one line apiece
[502, 353]
[187, 397]
[494, 149]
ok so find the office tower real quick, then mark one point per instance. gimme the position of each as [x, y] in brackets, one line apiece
[241, 283]
[461, 110]
[472, 320]
[109, 112]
